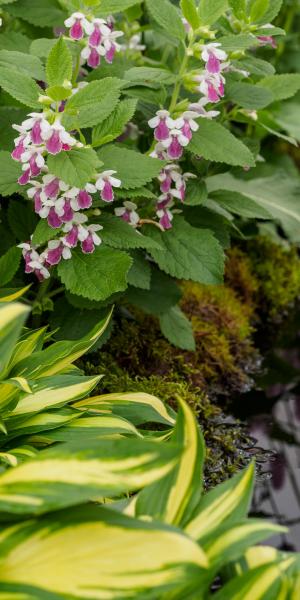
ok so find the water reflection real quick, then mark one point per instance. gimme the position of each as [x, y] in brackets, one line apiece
[277, 494]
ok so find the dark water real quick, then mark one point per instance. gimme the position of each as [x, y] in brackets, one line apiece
[272, 413]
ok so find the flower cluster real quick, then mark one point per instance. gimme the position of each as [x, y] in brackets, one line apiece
[173, 135]
[61, 204]
[173, 184]
[98, 35]
[211, 82]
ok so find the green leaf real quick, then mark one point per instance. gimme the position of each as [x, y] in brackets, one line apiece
[177, 328]
[12, 317]
[242, 41]
[167, 17]
[162, 295]
[10, 171]
[118, 234]
[196, 192]
[75, 167]
[278, 195]
[188, 253]
[226, 504]
[42, 233]
[289, 118]
[14, 40]
[210, 11]
[257, 66]
[30, 65]
[93, 103]
[238, 204]
[190, 12]
[59, 64]
[215, 143]
[258, 9]
[134, 169]
[42, 46]
[173, 498]
[150, 75]
[96, 276]
[282, 86]
[58, 93]
[231, 542]
[92, 468]
[140, 273]
[252, 97]
[9, 264]
[109, 7]
[238, 7]
[273, 10]
[20, 86]
[47, 13]
[150, 569]
[22, 218]
[114, 125]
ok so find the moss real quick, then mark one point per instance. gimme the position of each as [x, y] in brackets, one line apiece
[266, 277]
[226, 441]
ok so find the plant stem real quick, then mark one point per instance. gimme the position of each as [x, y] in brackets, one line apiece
[182, 70]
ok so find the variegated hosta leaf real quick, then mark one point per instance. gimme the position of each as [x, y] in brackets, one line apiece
[268, 582]
[96, 426]
[228, 503]
[96, 553]
[231, 542]
[29, 342]
[41, 423]
[173, 499]
[12, 317]
[50, 392]
[70, 474]
[9, 295]
[58, 356]
[138, 408]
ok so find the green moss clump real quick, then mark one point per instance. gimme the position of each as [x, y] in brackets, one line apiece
[266, 277]
[226, 440]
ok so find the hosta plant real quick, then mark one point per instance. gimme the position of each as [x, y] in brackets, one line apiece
[96, 504]
[134, 134]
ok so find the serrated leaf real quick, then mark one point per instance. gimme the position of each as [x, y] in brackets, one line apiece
[47, 13]
[30, 65]
[240, 205]
[242, 41]
[42, 233]
[58, 93]
[273, 10]
[214, 142]
[96, 276]
[190, 12]
[20, 86]
[249, 96]
[93, 103]
[257, 10]
[9, 264]
[109, 7]
[150, 75]
[177, 328]
[118, 234]
[134, 169]
[282, 86]
[188, 253]
[59, 64]
[114, 125]
[167, 17]
[210, 11]
[255, 65]
[10, 171]
[75, 167]
[14, 40]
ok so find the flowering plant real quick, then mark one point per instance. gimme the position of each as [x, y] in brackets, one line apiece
[143, 149]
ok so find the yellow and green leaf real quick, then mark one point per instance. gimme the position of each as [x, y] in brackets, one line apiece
[96, 553]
